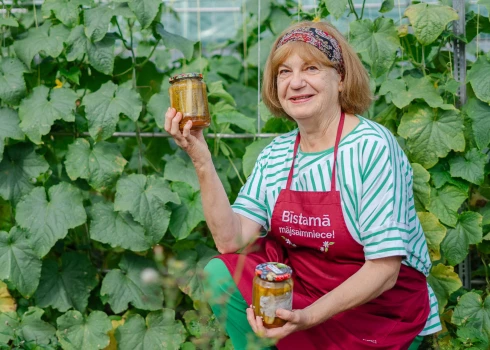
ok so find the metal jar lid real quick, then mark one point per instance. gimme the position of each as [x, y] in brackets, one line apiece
[184, 76]
[273, 271]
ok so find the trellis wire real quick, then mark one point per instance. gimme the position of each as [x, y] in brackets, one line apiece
[166, 135]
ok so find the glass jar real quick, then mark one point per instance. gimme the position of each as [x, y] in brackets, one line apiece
[188, 96]
[272, 290]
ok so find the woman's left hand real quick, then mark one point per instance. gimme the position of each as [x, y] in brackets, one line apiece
[296, 320]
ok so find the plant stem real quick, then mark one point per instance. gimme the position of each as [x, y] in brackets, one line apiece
[149, 56]
[353, 9]
[362, 10]
[133, 79]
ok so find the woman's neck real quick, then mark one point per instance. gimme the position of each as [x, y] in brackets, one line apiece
[319, 134]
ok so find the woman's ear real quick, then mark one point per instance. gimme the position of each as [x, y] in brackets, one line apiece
[341, 86]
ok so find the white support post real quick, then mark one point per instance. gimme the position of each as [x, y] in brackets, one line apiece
[459, 29]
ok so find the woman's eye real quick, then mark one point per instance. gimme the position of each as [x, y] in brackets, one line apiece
[312, 68]
[283, 71]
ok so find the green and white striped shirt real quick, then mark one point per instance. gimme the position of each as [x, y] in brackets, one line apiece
[375, 181]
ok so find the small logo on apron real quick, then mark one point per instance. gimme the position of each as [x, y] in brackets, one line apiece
[326, 245]
[288, 241]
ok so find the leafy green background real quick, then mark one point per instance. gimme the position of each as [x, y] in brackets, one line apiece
[103, 239]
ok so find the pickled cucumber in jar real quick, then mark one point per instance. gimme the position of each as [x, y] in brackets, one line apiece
[272, 290]
[188, 96]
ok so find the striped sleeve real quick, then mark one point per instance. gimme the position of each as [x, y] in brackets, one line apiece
[251, 200]
[381, 232]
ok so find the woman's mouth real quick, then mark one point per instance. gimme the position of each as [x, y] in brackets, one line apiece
[300, 98]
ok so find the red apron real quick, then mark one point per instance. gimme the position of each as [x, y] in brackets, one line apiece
[308, 232]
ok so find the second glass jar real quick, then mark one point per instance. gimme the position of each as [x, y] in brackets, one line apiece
[272, 290]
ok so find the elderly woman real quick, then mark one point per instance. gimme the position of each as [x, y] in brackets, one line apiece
[362, 287]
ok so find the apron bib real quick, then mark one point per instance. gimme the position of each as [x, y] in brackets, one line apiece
[308, 233]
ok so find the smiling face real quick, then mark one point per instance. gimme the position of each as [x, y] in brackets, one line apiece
[307, 89]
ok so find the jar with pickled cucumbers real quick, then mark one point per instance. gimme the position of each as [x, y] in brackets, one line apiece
[188, 96]
[272, 290]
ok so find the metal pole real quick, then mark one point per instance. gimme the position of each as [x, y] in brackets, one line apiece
[464, 268]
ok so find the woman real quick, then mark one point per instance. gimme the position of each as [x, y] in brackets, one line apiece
[365, 286]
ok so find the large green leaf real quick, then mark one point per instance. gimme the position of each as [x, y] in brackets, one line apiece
[9, 127]
[440, 176]
[145, 198]
[125, 286]
[253, 55]
[12, 84]
[48, 219]
[157, 107]
[472, 311]
[67, 285]
[468, 231]
[188, 214]
[11, 321]
[188, 269]
[160, 331]
[470, 167]
[252, 151]
[479, 113]
[421, 187]
[104, 106]
[477, 75]
[238, 119]
[228, 65]
[445, 202]
[336, 7]
[76, 332]
[67, 11]
[48, 39]
[97, 22]
[174, 41]
[180, 169]
[31, 329]
[100, 54]
[100, 164]
[9, 22]
[434, 233]
[444, 281]
[377, 42]
[404, 90]
[18, 262]
[217, 90]
[279, 20]
[20, 165]
[387, 6]
[117, 228]
[428, 20]
[34, 330]
[145, 10]
[40, 109]
[431, 134]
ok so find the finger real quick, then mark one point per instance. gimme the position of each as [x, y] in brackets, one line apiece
[174, 128]
[168, 118]
[251, 319]
[186, 132]
[287, 315]
[261, 330]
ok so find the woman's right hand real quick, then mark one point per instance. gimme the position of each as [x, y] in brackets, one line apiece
[191, 141]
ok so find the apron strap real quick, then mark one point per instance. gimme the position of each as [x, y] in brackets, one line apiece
[336, 148]
[337, 141]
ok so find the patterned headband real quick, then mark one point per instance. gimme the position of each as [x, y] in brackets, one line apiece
[321, 40]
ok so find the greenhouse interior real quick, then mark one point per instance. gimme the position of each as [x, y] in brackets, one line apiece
[134, 215]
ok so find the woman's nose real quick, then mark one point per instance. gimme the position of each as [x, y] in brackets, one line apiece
[297, 80]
